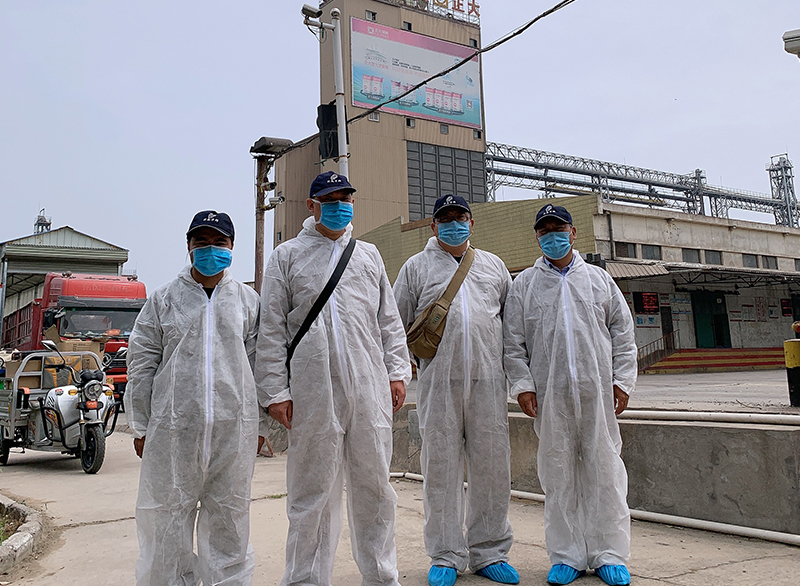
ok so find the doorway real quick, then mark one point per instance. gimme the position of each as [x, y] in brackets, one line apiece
[711, 319]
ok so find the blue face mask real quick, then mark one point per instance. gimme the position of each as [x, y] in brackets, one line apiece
[336, 215]
[555, 245]
[454, 233]
[211, 260]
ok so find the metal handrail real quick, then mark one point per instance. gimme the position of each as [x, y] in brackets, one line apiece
[657, 350]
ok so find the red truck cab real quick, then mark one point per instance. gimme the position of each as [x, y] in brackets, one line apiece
[81, 307]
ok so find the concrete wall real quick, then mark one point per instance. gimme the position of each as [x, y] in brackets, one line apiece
[740, 474]
[755, 319]
[673, 231]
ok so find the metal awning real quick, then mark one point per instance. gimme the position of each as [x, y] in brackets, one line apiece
[630, 270]
[687, 274]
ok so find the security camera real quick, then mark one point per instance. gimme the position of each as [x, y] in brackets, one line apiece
[273, 201]
[791, 40]
[311, 12]
[269, 186]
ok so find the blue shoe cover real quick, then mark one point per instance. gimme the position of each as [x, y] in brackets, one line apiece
[614, 575]
[500, 572]
[441, 576]
[563, 574]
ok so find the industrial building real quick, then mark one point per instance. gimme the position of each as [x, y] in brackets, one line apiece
[693, 277]
[25, 261]
[705, 282]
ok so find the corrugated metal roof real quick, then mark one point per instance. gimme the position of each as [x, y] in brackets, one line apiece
[630, 270]
[64, 237]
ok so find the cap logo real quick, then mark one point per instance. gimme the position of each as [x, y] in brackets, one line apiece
[449, 199]
[211, 217]
[334, 178]
[548, 209]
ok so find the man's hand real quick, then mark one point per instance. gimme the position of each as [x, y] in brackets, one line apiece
[138, 445]
[261, 440]
[282, 413]
[527, 401]
[620, 400]
[398, 389]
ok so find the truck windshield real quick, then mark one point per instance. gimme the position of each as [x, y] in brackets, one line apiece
[82, 322]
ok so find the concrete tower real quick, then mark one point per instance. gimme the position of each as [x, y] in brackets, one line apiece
[430, 144]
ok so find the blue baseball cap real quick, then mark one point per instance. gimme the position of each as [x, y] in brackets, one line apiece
[329, 182]
[219, 221]
[554, 212]
[450, 201]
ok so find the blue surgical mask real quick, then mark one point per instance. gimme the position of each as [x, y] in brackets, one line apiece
[555, 245]
[454, 233]
[211, 260]
[336, 215]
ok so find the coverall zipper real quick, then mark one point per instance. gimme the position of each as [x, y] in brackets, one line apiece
[573, 370]
[209, 375]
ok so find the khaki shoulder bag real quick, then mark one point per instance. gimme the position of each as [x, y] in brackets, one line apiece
[425, 333]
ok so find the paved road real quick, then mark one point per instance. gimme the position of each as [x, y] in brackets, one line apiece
[92, 520]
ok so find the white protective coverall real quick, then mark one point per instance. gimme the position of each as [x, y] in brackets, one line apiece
[342, 405]
[570, 338]
[191, 391]
[463, 409]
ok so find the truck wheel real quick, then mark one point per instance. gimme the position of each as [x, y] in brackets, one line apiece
[94, 452]
[5, 448]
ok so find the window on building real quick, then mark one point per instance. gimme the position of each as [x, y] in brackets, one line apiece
[797, 264]
[374, 117]
[651, 252]
[278, 236]
[713, 257]
[406, 25]
[444, 128]
[434, 171]
[373, 16]
[691, 255]
[477, 134]
[769, 262]
[625, 249]
[473, 43]
[411, 123]
[749, 261]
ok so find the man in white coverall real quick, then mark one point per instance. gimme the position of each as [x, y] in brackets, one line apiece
[570, 357]
[462, 402]
[191, 405]
[346, 377]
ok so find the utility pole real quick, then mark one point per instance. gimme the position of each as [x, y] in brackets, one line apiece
[312, 15]
[264, 151]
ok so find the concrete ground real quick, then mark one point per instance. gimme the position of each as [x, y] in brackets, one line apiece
[93, 535]
[761, 391]
[764, 391]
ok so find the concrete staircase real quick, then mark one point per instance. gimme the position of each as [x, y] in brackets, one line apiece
[719, 360]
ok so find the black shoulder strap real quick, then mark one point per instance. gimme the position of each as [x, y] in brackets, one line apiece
[322, 299]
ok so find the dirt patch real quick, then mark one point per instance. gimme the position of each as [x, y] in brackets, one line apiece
[49, 539]
[7, 527]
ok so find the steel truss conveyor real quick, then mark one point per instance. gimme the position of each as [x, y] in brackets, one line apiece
[552, 174]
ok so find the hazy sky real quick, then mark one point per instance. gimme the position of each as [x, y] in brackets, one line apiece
[122, 119]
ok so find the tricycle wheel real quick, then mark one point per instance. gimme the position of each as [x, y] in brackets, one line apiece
[5, 448]
[94, 452]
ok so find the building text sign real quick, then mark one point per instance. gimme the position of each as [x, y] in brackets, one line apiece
[387, 62]
[470, 7]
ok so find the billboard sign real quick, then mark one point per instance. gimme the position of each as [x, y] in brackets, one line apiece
[387, 62]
